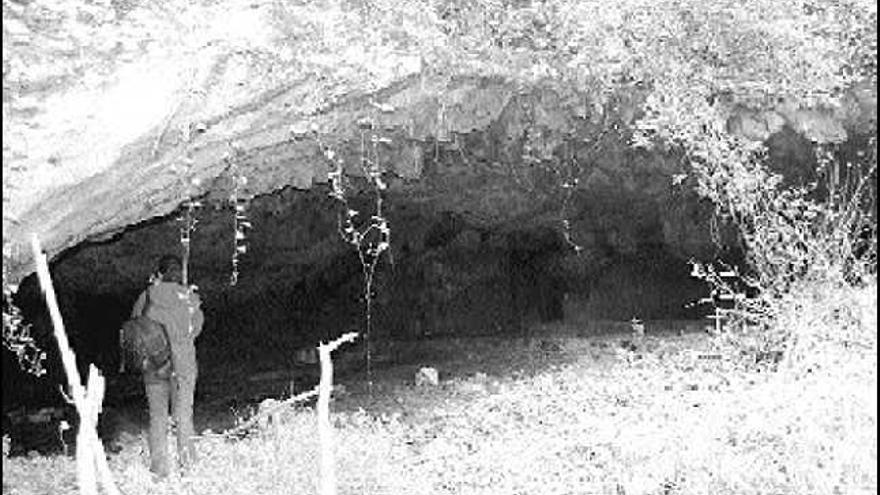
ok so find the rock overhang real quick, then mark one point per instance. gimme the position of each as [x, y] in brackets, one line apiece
[151, 124]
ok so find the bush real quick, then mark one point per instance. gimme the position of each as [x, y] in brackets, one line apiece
[807, 252]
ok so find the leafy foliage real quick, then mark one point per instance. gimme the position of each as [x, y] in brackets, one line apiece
[239, 202]
[17, 336]
[370, 237]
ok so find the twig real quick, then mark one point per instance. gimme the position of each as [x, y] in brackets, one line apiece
[90, 455]
[271, 410]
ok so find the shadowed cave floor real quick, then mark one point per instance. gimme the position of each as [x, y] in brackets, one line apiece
[231, 392]
[228, 392]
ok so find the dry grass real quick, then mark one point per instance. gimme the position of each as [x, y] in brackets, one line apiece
[679, 415]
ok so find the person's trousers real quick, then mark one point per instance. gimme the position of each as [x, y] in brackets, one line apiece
[158, 397]
[179, 392]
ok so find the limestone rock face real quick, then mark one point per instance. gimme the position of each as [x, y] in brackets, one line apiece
[116, 113]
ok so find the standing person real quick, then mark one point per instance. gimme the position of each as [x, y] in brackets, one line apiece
[169, 302]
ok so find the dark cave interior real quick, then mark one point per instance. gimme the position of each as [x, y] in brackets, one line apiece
[450, 279]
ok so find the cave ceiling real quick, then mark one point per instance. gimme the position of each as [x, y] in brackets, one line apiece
[125, 135]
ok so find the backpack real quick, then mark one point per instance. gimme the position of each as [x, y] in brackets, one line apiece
[145, 343]
[145, 346]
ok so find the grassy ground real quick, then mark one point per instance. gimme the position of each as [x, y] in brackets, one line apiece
[666, 414]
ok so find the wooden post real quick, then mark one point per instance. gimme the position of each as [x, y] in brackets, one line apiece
[90, 454]
[327, 478]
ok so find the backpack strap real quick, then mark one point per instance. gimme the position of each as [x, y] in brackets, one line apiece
[147, 301]
[121, 349]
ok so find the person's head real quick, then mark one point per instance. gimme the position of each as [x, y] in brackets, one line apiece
[170, 268]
